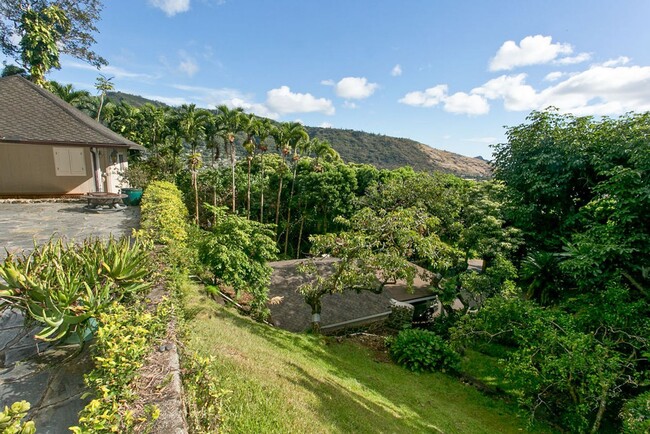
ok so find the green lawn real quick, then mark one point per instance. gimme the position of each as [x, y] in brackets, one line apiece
[487, 370]
[281, 382]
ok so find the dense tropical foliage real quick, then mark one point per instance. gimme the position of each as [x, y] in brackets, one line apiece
[562, 234]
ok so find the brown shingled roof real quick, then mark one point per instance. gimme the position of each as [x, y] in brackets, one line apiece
[30, 114]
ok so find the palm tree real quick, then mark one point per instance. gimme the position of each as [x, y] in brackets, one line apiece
[229, 122]
[174, 143]
[192, 123]
[263, 132]
[103, 85]
[174, 140]
[285, 136]
[249, 125]
[154, 126]
[323, 150]
[193, 164]
[211, 134]
[302, 146]
[125, 120]
[77, 98]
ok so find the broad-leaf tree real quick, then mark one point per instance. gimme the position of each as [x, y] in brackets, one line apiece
[81, 16]
[378, 247]
[237, 250]
[42, 30]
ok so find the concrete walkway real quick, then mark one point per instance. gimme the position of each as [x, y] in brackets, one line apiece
[22, 223]
[42, 375]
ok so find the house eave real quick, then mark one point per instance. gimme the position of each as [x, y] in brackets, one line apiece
[68, 143]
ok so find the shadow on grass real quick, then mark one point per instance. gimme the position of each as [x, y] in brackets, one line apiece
[348, 411]
[357, 394]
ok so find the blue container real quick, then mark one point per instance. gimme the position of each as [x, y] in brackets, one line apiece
[134, 195]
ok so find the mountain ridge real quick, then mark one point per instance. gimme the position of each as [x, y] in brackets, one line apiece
[383, 152]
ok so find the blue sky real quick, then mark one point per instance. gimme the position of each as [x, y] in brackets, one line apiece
[449, 74]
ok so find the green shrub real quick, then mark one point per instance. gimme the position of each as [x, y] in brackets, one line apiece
[236, 251]
[203, 396]
[124, 339]
[401, 315]
[163, 214]
[11, 419]
[421, 350]
[636, 414]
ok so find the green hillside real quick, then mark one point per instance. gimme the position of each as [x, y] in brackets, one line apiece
[134, 100]
[391, 152]
[381, 151]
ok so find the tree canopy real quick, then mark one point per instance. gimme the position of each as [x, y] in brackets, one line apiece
[77, 18]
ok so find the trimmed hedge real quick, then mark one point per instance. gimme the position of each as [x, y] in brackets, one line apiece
[163, 213]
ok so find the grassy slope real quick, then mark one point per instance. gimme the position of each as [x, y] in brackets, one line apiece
[282, 382]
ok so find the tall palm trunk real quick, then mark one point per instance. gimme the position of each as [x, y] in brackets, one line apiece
[277, 203]
[196, 198]
[262, 188]
[302, 225]
[286, 226]
[248, 193]
[232, 169]
[101, 105]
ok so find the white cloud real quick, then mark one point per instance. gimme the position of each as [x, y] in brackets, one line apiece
[622, 60]
[252, 107]
[516, 94]
[582, 57]
[327, 82]
[553, 76]
[279, 101]
[326, 125]
[429, 98]
[532, 50]
[212, 97]
[171, 7]
[458, 103]
[113, 71]
[602, 90]
[350, 105]
[188, 64]
[599, 90]
[355, 88]
[396, 71]
[462, 103]
[282, 100]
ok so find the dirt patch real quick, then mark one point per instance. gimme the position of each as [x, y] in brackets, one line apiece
[158, 384]
[376, 343]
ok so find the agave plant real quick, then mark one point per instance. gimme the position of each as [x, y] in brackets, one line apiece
[62, 286]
